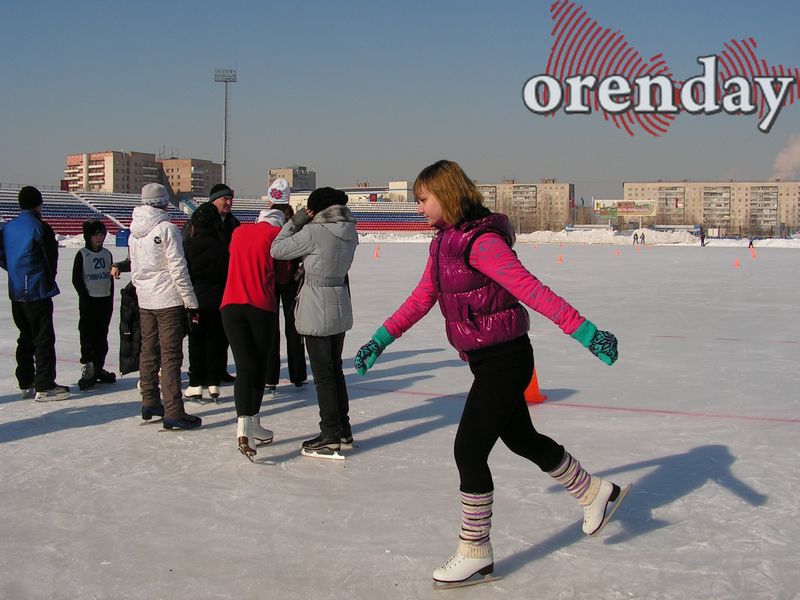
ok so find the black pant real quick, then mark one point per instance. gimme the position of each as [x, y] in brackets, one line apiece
[37, 341]
[325, 355]
[93, 321]
[208, 350]
[295, 351]
[496, 408]
[249, 330]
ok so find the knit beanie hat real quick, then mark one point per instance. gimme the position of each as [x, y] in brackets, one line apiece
[279, 191]
[29, 197]
[218, 191]
[155, 194]
[322, 198]
[272, 216]
[92, 227]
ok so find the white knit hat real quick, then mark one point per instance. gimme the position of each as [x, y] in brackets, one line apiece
[272, 216]
[155, 194]
[279, 191]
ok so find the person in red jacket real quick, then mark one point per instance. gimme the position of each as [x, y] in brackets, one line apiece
[249, 313]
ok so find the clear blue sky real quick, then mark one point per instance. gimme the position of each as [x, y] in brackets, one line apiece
[362, 90]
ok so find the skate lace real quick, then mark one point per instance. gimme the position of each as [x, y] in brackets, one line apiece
[455, 560]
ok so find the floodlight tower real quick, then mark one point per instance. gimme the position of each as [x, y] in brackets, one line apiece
[225, 76]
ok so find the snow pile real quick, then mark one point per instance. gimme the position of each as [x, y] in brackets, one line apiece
[72, 241]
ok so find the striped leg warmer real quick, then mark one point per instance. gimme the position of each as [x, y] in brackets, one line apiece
[576, 480]
[476, 520]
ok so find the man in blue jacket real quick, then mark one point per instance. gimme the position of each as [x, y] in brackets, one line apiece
[29, 252]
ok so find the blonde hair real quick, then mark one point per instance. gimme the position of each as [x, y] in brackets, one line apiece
[455, 191]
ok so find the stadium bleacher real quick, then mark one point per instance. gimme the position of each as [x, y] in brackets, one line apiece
[66, 212]
[120, 206]
[63, 211]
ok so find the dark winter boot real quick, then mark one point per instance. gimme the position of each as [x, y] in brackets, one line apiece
[87, 376]
[104, 376]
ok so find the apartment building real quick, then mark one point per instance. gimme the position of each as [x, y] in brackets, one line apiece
[110, 171]
[731, 207]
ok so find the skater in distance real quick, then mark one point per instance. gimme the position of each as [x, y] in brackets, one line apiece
[479, 282]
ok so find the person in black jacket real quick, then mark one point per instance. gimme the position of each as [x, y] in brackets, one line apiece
[206, 251]
[221, 197]
[29, 252]
[91, 278]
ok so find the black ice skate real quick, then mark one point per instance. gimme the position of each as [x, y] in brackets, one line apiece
[187, 421]
[148, 412]
[322, 447]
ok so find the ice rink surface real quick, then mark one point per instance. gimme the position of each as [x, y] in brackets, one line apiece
[701, 413]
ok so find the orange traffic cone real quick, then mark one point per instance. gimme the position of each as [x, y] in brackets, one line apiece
[617, 252]
[532, 393]
[377, 254]
[753, 252]
[736, 264]
[561, 258]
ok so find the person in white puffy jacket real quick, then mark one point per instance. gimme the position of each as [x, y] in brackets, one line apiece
[161, 278]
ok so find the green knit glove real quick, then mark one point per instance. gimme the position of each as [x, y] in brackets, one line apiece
[602, 344]
[369, 352]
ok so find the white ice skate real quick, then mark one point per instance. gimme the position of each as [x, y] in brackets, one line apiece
[262, 435]
[244, 437]
[603, 507]
[213, 391]
[461, 571]
[194, 393]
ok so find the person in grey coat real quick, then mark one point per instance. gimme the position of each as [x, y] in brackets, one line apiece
[324, 235]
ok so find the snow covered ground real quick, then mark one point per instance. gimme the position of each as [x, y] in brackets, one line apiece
[701, 412]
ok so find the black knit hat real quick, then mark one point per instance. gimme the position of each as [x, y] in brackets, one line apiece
[218, 191]
[322, 198]
[29, 197]
[91, 227]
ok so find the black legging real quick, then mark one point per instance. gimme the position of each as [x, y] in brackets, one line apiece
[208, 350]
[249, 330]
[496, 409]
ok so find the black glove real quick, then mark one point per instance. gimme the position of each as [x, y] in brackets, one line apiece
[192, 320]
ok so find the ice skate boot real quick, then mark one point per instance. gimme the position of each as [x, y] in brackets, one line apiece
[27, 393]
[194, 393]
[461, 570]
[185, 422]
[261, 435]
[322, 447]
[150, 411]
[57, 392]
[244, 437]
[600, 510]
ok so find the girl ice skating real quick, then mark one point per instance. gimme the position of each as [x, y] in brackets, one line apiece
[478, 282]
